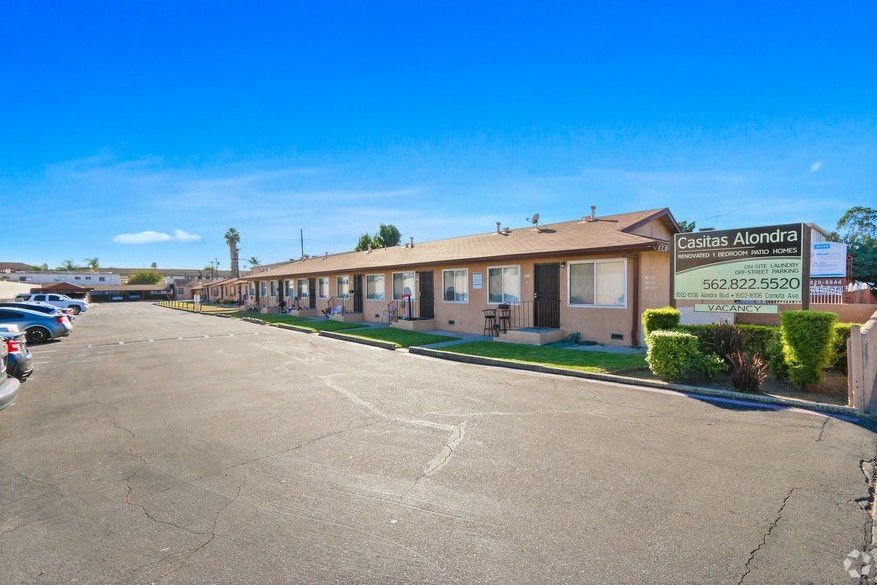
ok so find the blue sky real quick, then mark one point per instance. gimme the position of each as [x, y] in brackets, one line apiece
[139, 132]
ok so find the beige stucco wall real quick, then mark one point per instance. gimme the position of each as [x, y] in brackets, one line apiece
[8, 289]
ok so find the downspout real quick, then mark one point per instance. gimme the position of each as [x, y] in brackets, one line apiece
[635, 315]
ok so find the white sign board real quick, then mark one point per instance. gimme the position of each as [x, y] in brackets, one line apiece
[828, 259]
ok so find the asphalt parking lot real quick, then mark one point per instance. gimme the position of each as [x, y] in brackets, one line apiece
[155, 446]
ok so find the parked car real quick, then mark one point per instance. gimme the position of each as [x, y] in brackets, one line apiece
[62, 301]
[41, 307]
[8, 385]
[38, 327]
[19, 362]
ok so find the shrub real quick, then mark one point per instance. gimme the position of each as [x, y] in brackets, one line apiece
[704, 333]
[728, 339]
[708, 365]
[758, 337]
[660, 319]
[774, 356]
[748, 371]
[807, 338]
[670, 353]
[838, 359]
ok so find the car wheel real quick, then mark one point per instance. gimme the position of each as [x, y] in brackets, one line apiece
[38, 335]
[76, 309]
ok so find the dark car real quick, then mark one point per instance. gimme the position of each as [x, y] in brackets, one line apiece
[8, 385]
[19, 362]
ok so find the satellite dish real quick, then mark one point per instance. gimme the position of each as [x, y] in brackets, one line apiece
[534, 220]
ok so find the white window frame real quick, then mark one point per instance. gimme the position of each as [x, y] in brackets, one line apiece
[273, 288]
[323, 287]
[504, 300]
[342, 282]
[413, 279]
[596, 263]
[372, 278]
[302, 294]
[454, 272]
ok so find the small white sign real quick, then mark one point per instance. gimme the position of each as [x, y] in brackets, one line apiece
[476, 280]
[828, 259]
[735, 308]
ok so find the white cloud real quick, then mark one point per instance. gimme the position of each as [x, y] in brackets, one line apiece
[153, 237]
[816, 166]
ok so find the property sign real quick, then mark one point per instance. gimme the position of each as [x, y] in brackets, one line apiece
[751, 264]
[735, 308]
[828, 260]
[827, 286]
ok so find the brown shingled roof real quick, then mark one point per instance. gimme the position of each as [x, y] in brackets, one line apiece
[607, 233]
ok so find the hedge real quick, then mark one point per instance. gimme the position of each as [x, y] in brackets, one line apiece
[838, 359]
[671, 353]
[807, 343]
[758, 337]
[662, 319]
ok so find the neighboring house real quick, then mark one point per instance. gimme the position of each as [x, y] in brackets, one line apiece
[592, 276]
[83, 278]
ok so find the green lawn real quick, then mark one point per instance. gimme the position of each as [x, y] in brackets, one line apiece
[401, 337]
[573, 359]
[315, 324]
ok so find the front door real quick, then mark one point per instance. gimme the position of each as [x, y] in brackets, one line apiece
[427, 296]
[357, 293]
[312, 293]
[546, 296]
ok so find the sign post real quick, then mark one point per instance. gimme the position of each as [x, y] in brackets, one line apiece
[732, 270]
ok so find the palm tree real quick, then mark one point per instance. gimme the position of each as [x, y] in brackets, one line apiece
[253, 262]
[68, 265]
[233, 238]
[93, 264]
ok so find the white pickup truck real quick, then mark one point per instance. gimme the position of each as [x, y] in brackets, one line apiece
[62, 301]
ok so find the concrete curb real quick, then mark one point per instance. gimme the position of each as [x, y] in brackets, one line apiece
[292, 327]
[680, 388]
[360, 340]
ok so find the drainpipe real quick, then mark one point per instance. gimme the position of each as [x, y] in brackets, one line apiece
[635, 315]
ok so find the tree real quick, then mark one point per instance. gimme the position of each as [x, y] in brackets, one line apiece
[857, 228]
[232, 239]
[253, 261]
[687, 226]
[363, 243]
[153, 265]
[93, 264]
[68, 265]
[145, 277]
[387, 236]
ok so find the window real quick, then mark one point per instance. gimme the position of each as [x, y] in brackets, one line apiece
[601, 283]
[303, 289]
[342, 287]
[455, 283]
[374, 287]
[273, 288]
[101, 278]
[403, 284]
[264, 290]
[77, 278]
[504, 284]
[324, 288]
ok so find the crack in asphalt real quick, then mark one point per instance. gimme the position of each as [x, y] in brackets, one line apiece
[295, 448]
[764, 537]
[130, 501]
[131, 443]
[822, 429]
[210, 537]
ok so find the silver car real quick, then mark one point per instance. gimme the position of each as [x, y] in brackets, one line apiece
[8, 385]
[38, 327]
